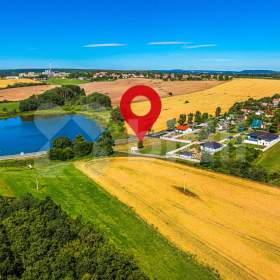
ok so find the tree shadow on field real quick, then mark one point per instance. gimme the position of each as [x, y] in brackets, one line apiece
[186, 192]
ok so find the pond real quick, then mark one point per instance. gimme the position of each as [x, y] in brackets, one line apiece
[21, 135]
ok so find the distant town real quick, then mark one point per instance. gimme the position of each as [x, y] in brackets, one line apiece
[113, 75]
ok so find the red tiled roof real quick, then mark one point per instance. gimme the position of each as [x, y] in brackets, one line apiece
[182, 127]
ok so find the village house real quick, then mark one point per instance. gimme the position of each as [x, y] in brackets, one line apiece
[246, 111]
[134, 149]
[259, 112]
[257, 124]
[186, 155]
[183, 129]
[11, 77]
[276, 102]
[28, 75]
[264, 104]
[262, 138]
[211, 147]
[221, 126]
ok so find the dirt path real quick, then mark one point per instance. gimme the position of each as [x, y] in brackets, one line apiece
[229, 223]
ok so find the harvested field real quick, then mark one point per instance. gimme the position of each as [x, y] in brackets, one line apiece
[20, 93]
[5, 83]
[230, 223]
[115, 89]
[224, 95]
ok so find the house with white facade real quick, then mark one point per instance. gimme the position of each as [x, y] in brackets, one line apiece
[183, 129]
[262, 138]
[211, 147]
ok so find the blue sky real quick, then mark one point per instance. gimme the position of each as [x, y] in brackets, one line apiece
[177, 34]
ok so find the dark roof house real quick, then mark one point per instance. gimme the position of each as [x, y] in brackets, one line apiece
[212, 145]
[262, 135]
[186, 154]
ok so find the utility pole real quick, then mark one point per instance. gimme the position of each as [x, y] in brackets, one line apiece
[37, 184]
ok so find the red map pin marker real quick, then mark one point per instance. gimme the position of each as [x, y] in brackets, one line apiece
[140, 124]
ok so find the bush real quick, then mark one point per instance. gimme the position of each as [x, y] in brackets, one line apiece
[104, 145]
[99, 99]
[81, 147]
[62, 142]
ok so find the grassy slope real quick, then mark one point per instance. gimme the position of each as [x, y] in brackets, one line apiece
[78, 195]
[9, 106]
[270, 158]
[59, 81]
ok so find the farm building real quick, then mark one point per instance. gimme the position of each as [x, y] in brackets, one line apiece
[211, 147]
[262, 138]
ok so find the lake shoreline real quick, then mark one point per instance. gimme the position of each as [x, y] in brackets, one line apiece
[23, 156]
[32, 135]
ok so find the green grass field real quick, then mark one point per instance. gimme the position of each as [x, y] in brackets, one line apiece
[78, 195]
[270, 159]
[63, 82]
[9, 106]
[161, 147]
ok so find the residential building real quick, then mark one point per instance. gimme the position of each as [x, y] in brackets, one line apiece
[11, 77]
[28, 75]
[211, 147]
[183, 129]
[262, 138]
[257, 124]
[134, 149]
[186, 155]
[276, 102]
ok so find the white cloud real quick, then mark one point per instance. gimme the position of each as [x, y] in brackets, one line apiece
[169, 43]
[201, 46]
[104, 45]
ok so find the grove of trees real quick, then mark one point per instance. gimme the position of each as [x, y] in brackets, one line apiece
[40, 241]
[65, 149]
[51, 98]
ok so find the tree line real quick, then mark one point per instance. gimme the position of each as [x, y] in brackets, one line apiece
[64, 95]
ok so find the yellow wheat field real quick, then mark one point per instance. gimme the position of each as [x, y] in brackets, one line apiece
[5, 83]
[229, 223]
[224, 95]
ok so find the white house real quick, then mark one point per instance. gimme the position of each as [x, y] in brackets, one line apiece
[211, 147]
[11, 77]
[134, 149]
[262, 138]
[183, 129]
[186, 155]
